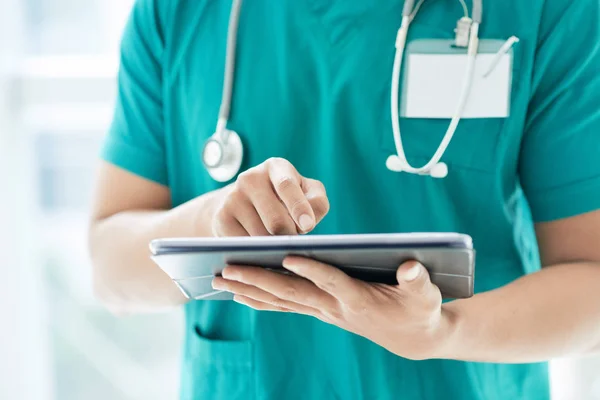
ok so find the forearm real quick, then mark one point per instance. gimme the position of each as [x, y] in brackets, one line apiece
[552, 313]
[125, 278]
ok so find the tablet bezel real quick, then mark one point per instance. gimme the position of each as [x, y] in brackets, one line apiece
[439, 240]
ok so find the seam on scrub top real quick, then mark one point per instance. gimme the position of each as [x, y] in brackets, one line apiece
[552, 189]
[177, 60]
[159, 156]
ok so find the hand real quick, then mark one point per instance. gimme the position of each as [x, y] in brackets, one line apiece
[270, 199]
[407, 319]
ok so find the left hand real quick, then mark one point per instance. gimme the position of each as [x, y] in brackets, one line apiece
[407, 319]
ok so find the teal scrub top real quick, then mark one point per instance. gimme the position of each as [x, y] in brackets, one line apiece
[312, 85]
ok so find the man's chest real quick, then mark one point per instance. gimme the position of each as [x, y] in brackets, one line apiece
[312, 83]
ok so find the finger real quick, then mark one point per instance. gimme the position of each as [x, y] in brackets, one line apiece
[258, 305]
[291, 289]
[329, 279]
[287, 184]
[248, 217]
[317, 197]
[228, 225]
[257, 294]
[414, 277]
[274, 215]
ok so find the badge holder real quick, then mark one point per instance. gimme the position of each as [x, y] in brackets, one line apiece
[433, 75]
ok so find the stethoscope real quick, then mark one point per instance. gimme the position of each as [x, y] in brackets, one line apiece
[223, 151]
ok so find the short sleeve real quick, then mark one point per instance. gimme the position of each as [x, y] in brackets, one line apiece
[136, 139]
[559, 164]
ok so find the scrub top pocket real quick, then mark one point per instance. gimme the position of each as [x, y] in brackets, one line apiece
[473, 145]
[217, 369]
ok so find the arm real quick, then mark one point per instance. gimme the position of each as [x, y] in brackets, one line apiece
[551, 313]
[271, 198]
[133, 202]
[554, 312]
[548, 314]
[129, 212]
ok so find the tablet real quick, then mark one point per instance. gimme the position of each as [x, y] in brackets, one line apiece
[192, 263]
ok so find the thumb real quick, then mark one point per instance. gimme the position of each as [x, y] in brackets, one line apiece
[413, 275]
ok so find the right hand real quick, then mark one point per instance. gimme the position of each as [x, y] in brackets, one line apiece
[270, 199]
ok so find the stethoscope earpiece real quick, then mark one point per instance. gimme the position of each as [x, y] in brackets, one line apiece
[439, 170]
[223, 152]
[467, 35]
[395, 164]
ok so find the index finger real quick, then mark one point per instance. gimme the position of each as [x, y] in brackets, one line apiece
[287, 184]
[327, 278]
[317, 197]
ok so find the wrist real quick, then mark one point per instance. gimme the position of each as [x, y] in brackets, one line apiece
[195, 217]
[449, 339]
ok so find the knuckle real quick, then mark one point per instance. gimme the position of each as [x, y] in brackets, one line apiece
[289, 293]
[418, 287]
[320, 185]
[435, 299]
[222, 221]
[278, 303]
[423, 285]
[357, 307]
[298, 206]
[285, 183]
[222, 213]
[234, 198]
[248, 179]
[335, 314]
[320, 205]
[260, 306]
[277, 225]
[330, 283]
[243, 179]
[217, 229]
[276, 161]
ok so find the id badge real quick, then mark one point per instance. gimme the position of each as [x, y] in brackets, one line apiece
[434, 75]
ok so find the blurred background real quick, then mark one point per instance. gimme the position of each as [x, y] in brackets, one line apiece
[58, 63]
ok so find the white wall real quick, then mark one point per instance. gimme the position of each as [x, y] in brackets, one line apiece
[24, 352]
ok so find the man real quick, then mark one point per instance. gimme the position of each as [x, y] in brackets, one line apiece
[311, 102]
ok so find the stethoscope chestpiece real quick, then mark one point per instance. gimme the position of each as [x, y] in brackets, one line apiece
[222, 155]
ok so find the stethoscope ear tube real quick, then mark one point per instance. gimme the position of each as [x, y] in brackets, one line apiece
[433, 168]
[223, 152]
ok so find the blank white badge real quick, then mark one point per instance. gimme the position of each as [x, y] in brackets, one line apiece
[433, 81]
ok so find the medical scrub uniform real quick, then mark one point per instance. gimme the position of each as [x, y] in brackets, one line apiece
[312, 85]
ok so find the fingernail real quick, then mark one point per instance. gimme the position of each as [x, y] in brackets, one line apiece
[217, 285]
[413, 272]
[306, 222]
[289, 265]
[229, 274]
